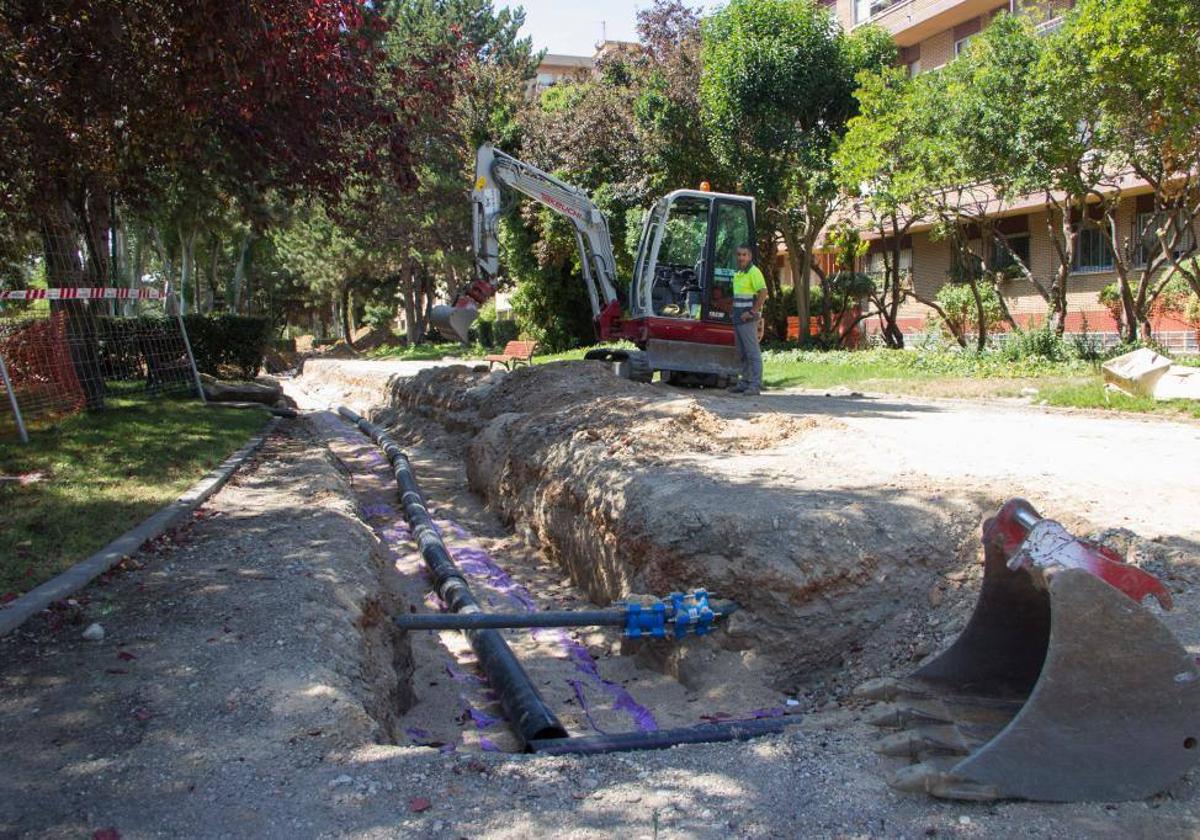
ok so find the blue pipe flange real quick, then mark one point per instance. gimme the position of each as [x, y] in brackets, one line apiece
[646, 622]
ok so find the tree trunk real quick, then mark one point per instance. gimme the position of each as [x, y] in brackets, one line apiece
[213, 265]
[187, 269]
[766, 246]
[1131, 319]
[798, 260]
[239, 273]
[1064, 245]
[412, 335]
[344, 305]
[980, 317]
[893, 337]
[94, 214]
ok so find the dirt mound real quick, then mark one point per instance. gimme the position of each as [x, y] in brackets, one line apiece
[624, 485]
[642, 418]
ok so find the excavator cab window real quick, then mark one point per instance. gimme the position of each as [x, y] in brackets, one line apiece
[678, 272]
[731, 229]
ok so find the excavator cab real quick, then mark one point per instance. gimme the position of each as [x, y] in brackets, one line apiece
[687, 256]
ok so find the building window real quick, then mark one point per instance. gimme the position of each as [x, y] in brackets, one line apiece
[877, 266]
[1010, 252]
[864, 10]
[1145, 231]
[961, 44]
[914, 68]
[1093, 252]
[965, 265]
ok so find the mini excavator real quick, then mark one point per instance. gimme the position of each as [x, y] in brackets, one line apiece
[678, 310]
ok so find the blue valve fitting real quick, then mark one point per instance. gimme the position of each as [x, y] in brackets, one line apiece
[686, 614]
[650, 621]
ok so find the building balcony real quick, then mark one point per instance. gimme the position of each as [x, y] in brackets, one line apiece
[912, 21]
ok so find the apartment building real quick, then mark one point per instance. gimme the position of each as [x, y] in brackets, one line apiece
[930, 33]
[555, 68]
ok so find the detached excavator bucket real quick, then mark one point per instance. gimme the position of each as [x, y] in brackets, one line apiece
[1062, 687]
[454, 320]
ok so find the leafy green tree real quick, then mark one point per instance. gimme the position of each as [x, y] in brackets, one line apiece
[675, 150]
[776, 90]
[584, 132]
[882, 166]
[426, 232]
[967, 114]
[1138, 64]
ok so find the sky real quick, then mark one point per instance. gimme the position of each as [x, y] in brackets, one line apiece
[574, 27]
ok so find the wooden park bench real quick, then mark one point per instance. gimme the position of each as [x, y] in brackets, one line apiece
[515, 353]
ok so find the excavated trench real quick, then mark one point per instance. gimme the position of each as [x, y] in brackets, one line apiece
[633, 489]
[445, 701]
[625, 487]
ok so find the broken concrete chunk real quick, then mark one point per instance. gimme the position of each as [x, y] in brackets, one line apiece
[1178, 383]
[264, 390]
[1144, 373]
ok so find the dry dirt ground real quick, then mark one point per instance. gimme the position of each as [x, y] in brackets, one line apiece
[248, 683]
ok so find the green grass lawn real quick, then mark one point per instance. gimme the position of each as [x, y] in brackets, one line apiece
[940, 373]
[426, 352]
[943, 373]
[78, 486]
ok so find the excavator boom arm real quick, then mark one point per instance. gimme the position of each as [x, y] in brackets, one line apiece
[495, 171]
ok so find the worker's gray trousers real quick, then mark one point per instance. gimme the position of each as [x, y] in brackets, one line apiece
[745, 340]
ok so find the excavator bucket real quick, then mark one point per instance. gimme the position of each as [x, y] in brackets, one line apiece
[454, 320]
[1063, 687]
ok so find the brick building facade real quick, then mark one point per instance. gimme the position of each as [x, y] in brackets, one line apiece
[930, 33]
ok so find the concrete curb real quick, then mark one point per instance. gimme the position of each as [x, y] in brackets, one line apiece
[17, 612]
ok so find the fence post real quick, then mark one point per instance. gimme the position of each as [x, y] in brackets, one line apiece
[12, 399]
[187, 342]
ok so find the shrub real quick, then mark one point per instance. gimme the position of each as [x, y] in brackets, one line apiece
[958, 302]
[504, 332]
[229, 345]
[1039, 343]
[379, 316]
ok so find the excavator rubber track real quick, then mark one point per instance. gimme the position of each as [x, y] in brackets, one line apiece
[1063, 687]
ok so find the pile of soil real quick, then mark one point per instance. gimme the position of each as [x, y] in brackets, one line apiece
[620, 484]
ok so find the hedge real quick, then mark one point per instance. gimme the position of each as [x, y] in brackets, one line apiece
[229, 345]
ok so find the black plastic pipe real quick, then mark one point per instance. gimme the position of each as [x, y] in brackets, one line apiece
[549, 618]
[707, 733]
[476, 621]
[528, 714]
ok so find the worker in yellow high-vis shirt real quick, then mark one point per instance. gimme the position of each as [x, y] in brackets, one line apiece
[749, 294]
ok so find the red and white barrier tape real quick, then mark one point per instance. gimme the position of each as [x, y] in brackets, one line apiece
[71, 293]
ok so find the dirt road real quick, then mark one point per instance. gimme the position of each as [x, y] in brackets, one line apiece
[247, 684]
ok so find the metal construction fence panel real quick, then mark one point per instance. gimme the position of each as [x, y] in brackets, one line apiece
[63, 350]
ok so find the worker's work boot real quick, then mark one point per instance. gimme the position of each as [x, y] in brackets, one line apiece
[738, 388]
[749, 391]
